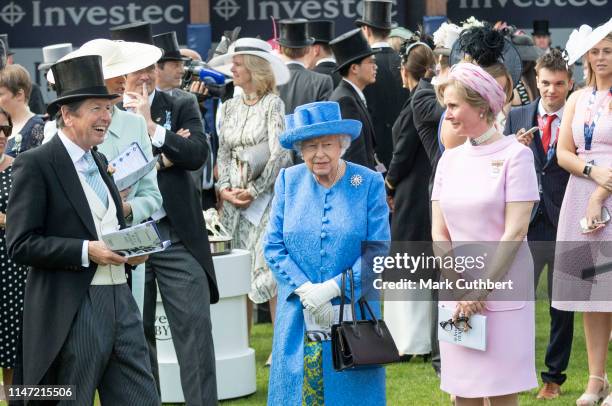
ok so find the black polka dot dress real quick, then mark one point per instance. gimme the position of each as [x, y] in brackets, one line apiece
[12, 286]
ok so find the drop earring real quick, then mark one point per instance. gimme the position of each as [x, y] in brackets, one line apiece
[481, 115]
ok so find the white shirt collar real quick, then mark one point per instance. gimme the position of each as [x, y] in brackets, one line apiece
[381, 44]
[127, 98]
[323, 60]
[76, 153]
[296, 63]
[358, 90]
[543, 112]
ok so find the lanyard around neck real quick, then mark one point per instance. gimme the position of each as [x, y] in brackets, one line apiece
[591, 122]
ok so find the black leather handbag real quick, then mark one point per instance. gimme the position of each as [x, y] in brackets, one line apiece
[360, 343]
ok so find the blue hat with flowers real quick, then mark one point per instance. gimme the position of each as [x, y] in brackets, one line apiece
[317, 120]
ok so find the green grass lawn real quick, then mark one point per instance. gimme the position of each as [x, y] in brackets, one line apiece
[415, 383]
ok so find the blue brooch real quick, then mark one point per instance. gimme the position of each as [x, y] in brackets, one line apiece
[356, 180]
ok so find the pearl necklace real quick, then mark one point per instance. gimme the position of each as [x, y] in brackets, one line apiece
[484, 137]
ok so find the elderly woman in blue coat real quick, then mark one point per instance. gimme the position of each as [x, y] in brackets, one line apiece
[322, 211]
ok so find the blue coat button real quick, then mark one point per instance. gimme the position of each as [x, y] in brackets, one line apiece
[325, 220]
[323, 234]
[327, 206]
[322, 252]
[322, 269]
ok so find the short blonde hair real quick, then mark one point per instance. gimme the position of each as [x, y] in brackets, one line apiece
[261, 74]
[469, 95]
[15, 78]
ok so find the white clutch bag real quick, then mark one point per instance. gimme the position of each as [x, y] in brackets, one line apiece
[475, 337]
[253, 160]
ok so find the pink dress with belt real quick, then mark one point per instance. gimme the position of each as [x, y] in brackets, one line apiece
[575, 251]
[473, 185]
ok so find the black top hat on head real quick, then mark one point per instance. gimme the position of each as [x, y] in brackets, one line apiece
[139, 31]
[321, 30]
[293, 33]
[77, 79]
[169, 44]
[351, 47]
[540, 27]
[7, 48]
[377, 14]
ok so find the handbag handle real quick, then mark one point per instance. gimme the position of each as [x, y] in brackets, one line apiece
[343, 298]
[362, 303]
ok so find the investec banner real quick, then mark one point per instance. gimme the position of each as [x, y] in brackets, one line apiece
[35, 23]
[560, 13]
[254, 15]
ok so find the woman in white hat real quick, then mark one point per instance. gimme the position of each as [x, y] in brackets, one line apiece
[584, 232]
[250, 156]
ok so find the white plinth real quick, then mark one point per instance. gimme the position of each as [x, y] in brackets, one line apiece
[235, 361]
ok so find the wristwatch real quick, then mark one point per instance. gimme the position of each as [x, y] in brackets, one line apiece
[586, 172]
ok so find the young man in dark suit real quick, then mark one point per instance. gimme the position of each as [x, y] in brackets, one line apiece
[357, 66]
[184, 272]
[554, 81]
[320, 58]
[304, 86]
[387, 96]
[81, 325]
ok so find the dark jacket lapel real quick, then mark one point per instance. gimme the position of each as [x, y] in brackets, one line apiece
[69, 179]
[364, 109]
[158, 108]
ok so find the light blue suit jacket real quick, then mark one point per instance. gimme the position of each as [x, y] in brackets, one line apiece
[125, 129]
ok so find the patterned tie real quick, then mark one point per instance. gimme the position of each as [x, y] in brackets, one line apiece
[546, 134]
[94, 179]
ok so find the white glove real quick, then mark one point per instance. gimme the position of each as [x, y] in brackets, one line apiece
[303, 290]
[324, 315]
[319, 294]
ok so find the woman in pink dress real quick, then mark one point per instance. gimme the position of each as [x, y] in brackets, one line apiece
[484, 191]
[585, 150]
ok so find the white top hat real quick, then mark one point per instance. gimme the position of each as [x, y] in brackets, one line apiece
[53, 53]
[118, 57]
[585, 38]
[256, 47]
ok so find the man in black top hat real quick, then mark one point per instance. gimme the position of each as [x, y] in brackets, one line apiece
[387, 96]
[184, 272]
[81, 325]
[169, 68]
[357, 66]
[321, 58]
[541, 34]
[304, 86]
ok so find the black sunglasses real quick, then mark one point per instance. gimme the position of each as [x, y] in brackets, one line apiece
[460, 324]
[6, 129]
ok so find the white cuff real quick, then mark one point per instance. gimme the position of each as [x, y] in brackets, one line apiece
[159, 138]
[85, 254]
